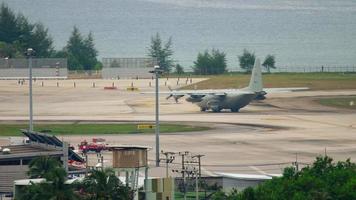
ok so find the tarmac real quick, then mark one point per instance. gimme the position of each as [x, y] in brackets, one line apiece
[262, 138]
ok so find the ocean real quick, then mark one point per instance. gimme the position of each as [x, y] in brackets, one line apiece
[298, 33]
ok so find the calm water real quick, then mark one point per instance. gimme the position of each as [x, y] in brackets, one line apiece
[315, 32]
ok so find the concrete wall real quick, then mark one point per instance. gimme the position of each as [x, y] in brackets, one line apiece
[10, 173]
[239, 184]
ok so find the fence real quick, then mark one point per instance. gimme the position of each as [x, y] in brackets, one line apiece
[42, 68]
[127, 67]
[297, 69]
[308, 69]
[84, 74]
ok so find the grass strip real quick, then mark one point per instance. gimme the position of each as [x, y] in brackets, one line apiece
[315, 81]
[340, 102]
[95, 129]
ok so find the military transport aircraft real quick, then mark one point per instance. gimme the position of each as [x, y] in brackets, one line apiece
[233, 99]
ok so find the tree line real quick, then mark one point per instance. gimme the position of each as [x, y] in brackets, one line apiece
[17, 34]
[324, 179]
[208, 62]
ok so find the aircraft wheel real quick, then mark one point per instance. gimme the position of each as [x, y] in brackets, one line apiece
[202, 109]
[234, 110]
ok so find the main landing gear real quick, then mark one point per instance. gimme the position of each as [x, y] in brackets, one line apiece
[234, 110]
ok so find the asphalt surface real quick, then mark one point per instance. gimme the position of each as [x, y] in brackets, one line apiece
[263, 138]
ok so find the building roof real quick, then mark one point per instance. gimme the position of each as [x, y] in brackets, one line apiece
[47, 139]
[27, 151]
[29, 181]
[128, 146]
[247, 176]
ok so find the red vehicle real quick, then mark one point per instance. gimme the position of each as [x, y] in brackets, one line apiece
[97, 145]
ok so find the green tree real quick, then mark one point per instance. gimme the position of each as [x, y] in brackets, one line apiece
[9, 50]
[41, 42]
[81, 52]
[17, 34]
[24, 32]
[219, 195]
[104, 185]
[9, 32]
[247, 60]
[210, 63]
[161, 53]
[218, 62]
[269, 63]
[54, 186]
[41, 166]
[324, 179]
[179, 69]
[74, 50]
[202, 64]
[90, 53]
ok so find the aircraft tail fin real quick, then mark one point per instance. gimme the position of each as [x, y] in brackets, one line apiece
[256, 84]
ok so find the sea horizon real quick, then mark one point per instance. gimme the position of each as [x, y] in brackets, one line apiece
[313, 33]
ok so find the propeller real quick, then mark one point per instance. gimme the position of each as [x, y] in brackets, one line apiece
[171, 95]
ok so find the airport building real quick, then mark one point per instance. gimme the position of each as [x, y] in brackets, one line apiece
[14, 159]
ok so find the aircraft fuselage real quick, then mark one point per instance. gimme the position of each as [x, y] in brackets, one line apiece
[230, 101]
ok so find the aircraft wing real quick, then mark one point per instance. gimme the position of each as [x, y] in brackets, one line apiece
[210, 92]
[281, 90]
[223, 92]
[203, 92]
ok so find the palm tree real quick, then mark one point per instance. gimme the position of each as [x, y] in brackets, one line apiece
[40, 166]
[54, 187]
[105, 185]
[57, 188]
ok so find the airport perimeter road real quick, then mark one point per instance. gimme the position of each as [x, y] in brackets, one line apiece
[263, 138]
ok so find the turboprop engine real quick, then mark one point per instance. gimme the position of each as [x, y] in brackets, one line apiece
[195, 98]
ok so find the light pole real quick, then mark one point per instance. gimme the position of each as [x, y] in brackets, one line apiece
[29, 54]
[157, 71]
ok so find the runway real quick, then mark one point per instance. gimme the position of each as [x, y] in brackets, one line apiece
[264, 137]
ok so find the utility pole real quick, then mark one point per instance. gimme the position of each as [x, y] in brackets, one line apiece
[189, 170]
[29, 54]
[199, 163]
[183, 176]
[197, 173]
[196, 186]
[169, 157]
[296, 162]
[183, 154]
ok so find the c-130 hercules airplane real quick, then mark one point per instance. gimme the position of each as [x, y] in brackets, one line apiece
[233, 99]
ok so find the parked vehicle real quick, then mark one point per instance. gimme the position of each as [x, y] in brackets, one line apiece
[97, 145]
